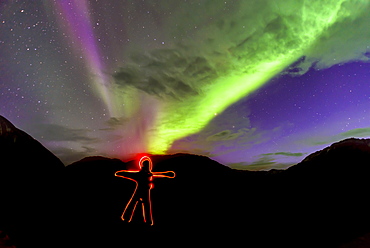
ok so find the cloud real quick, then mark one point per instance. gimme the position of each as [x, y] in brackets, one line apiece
[357, 132]
[218, 144]
[168, 74]
[267, 161]
[231, 134]
[215, 139]
[55, 132]
[115, 123]
[288, 154]
[263, 163]
[353, 133]
[223, 38]
[68, 155]
[220, 52]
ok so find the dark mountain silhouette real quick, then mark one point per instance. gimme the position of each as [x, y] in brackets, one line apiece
[320, 202]
[331, 185]
[29, 175]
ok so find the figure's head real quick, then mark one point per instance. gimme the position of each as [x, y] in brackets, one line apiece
[145, 163]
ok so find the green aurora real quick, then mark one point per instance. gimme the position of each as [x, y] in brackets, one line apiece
[227, 59]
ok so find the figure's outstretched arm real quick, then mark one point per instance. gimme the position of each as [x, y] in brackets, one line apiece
[125, 174]
[169, 174]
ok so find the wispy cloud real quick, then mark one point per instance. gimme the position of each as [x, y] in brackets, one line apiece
[68, 155]
[353, 133]
[115, 123]
[358, 132]
[288, 154]
[267, 161]
[232, 49]
[231, 131]
[55, 132]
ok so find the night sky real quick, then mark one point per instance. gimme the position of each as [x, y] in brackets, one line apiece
[252, 84]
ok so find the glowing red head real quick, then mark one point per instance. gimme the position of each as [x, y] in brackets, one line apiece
[145, 163]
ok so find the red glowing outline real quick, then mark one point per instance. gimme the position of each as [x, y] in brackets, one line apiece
[146, 158]
[146, 203]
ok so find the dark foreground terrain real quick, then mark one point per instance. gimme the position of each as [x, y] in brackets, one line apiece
[320, 202]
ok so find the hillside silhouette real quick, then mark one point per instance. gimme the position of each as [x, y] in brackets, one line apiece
[320, 202]
[30, 177]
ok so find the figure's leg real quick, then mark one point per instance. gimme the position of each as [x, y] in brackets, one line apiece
[147, 209]
[128, 213]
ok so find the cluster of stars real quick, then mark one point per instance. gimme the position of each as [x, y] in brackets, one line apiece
[46, 79]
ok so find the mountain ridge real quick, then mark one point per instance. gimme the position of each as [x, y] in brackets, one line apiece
[317, 203]
[29, 179]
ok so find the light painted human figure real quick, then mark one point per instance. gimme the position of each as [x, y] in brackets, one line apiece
[144, 183]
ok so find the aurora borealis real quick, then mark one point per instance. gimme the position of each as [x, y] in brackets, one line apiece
[252, 84]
